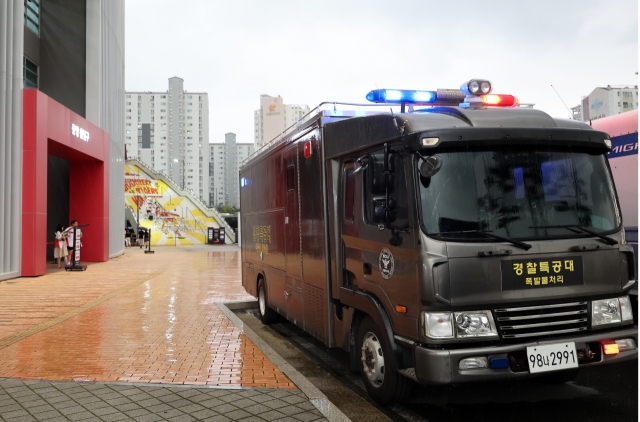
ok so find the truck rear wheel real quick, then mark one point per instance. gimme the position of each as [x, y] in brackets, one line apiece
[267, 315]
[382, 382]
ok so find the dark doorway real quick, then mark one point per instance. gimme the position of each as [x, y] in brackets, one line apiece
[57, 198]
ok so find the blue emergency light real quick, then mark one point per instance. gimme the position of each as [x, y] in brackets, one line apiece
[400, 96]
[473, 93]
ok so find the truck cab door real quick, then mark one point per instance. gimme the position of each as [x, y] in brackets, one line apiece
[370, 261]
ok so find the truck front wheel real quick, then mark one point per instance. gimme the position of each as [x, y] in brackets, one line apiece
[382, 382]
[267, 315]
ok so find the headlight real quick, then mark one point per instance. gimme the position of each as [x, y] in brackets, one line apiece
[459, 324]
[438, 325]
[625, 308]
[605, 312]
[475, 324]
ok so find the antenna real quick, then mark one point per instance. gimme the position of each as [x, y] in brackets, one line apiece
[562, 101]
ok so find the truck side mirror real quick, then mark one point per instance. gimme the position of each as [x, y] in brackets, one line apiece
[379, 215]
[428, 168]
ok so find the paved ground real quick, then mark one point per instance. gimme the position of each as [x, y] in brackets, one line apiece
[143, 318]
[72, 401]
[139, 318]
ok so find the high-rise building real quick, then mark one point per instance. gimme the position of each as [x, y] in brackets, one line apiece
[606, 101]
[62, 66]
[274, 117]
[225, 163]
[169, 132]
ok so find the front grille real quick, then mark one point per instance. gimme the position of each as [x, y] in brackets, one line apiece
[542, 321]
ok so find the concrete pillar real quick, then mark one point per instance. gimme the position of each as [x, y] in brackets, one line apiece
[11, 53]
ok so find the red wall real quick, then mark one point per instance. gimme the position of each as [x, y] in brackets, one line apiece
[47, 130]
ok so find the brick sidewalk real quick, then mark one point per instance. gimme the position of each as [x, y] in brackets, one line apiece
[144, 318]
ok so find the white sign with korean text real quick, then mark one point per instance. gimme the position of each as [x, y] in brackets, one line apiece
[78, 132]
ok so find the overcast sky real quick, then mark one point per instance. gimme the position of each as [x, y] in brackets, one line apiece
[310, 52]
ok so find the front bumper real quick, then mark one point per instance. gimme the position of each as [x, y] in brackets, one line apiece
[438, 366]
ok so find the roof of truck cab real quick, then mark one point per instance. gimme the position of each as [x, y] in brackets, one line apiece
[359, 132]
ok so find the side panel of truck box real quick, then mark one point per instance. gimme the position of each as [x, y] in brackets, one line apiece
[263, 244]
[313, 238]
[283, 234]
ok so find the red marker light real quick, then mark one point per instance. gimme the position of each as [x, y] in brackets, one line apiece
[611, 349]
[500, 100]
[308, 150]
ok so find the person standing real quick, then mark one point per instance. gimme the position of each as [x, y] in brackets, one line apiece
[127, 238]
[141, 237]
[60, 245]
[71, 241]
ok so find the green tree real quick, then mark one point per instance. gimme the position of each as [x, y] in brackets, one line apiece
[227, 209]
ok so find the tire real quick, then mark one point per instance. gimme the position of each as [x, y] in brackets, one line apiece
[267, 315]
[383, 383]
[559, 377]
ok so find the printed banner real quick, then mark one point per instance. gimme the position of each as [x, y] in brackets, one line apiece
[624, 145]
[140, 187]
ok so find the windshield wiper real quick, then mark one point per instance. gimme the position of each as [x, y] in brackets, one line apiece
[607, 240]
[517, 243]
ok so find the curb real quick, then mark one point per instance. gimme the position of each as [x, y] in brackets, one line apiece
[317, 398]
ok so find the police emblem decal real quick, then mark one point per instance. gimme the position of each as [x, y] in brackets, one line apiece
[386, 263]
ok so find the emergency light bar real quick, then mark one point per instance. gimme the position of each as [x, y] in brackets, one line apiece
[401, 96]
[500, 100]
[473, 93]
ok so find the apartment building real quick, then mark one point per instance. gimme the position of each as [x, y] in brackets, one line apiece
[606, 101]
[274, 117]
[169, 132]
[225, 161]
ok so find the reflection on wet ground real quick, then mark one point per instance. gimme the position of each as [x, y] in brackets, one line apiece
[137, 318]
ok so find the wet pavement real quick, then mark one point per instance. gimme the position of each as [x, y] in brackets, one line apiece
[71, 401]
[607, 392]
[138, 319]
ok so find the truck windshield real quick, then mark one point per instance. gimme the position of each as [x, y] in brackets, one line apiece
[512, 193]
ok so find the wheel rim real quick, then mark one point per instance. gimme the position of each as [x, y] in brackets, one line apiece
[261, 300]
[373, 359]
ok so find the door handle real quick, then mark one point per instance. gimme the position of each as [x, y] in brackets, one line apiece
[287, 295]
[366, 267]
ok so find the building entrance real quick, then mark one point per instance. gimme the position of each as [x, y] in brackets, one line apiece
[65, 161]
[57, 198]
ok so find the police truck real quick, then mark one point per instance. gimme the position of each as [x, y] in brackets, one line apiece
[460, 238]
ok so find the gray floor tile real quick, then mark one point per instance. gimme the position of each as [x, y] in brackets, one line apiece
[113, 417]
[45, 416]
[105, 411]
[190, 408]
[204, 413]
[237, 415]
[81, 416]
[257, 409]
[211, 403]
[272, 415]
[183, 418]
[137, 412]
[218, 418]
[149, 418]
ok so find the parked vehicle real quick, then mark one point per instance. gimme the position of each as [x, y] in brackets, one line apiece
[466, 241]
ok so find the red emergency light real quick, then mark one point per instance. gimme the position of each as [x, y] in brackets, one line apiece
[308, 149]
[500, 100]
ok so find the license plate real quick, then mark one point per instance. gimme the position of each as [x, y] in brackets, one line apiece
[552, 357]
